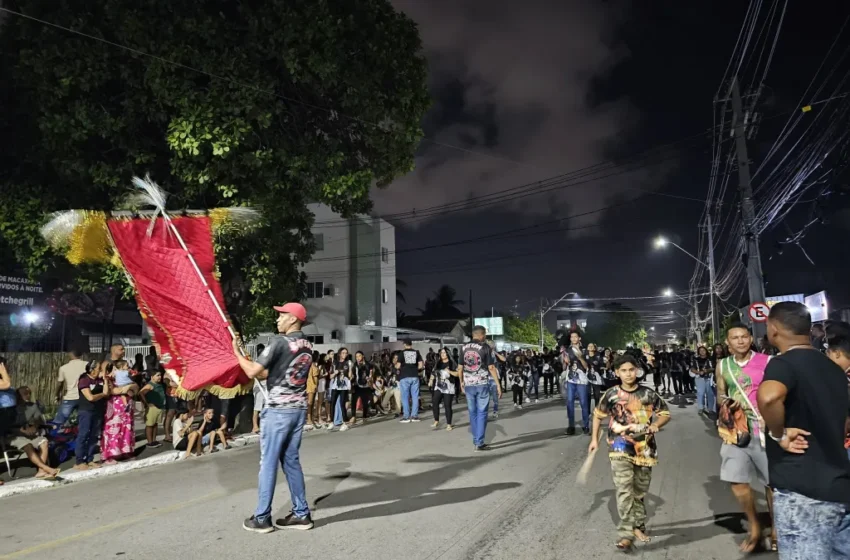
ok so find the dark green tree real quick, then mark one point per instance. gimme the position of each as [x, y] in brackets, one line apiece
[273, 104]
[527, 330]
[615, 326]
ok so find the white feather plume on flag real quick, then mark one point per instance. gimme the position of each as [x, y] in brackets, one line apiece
[57, 231]
[150, 195]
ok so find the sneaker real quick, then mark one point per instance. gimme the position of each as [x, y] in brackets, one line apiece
[483, 447]
[154, 444]
[404, 421]
[293, 522]
[536, 401]
[329, 426]
[449, 428]
[251, 524]
[343, 428]
[435, 424]
[519, 407]
[585, 431]
[570, 431]
[515, 405]
[309, 427]
[495, 416]
[415, 419]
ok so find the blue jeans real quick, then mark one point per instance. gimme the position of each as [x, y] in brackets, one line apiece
[809, 529]
[409, 387]
[573, 389]
[89, 426]
[477, 402]
[494, 394]
[280, 440]
[705, 394]
[64, 412]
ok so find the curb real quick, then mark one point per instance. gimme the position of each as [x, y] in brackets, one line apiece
[33, 485]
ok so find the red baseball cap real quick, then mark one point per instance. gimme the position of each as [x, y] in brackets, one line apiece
[295, 309]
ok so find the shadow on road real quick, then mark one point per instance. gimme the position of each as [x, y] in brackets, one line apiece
[413, 492]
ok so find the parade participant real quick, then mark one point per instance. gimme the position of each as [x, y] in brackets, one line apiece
[804, 401]
[408, 363]
[595, 368]
[742, 453]
[518, 378]
[635, 415]
[285, 364]
[444, 388]
[491, 383]
[837, 343]
[361, 373]
[547, 370]
[478, 368]
[701, 371]
[575, 365]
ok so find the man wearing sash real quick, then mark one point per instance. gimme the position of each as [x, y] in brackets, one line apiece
[743, 454]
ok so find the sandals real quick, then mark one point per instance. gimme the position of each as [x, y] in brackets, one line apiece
[625, 545]
[640, 533]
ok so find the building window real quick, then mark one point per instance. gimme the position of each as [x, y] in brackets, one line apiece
[384, 296]
[319, 238]
[315, 290]
[385, 254]
[316, 338]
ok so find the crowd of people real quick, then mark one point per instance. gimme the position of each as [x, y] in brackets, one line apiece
[782, 413]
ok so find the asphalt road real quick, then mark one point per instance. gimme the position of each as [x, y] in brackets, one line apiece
[392, 491]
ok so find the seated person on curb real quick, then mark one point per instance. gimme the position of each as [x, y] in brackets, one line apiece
[29, 434]
[209, 429]
[184, 436]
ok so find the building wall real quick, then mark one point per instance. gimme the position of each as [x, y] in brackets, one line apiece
[356, 277]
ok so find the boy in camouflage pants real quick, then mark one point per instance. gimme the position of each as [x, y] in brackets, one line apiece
[635, 414]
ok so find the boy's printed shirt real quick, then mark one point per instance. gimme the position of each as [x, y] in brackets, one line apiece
[623, 407]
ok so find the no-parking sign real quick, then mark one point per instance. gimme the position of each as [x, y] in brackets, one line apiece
[758, 312]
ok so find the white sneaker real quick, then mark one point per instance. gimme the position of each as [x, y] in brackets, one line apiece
[520, 407]
[536, 401]
[343, 428]
[329, 427]
[515, 405]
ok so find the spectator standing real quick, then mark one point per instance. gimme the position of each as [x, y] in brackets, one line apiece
[67, 394]
[259, 391]
[286, 364]
[313, 396]
[152, 396]
[340, 387]
[804, 403]
[151, 361]
[408, 363]
[478, 369]
[116, 353]
[444, 388]
[94, 390]
[118, 441]
[837, 343]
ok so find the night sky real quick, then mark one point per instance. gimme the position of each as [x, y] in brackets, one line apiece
[545, 87]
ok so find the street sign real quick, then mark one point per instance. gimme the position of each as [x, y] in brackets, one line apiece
[758, 312]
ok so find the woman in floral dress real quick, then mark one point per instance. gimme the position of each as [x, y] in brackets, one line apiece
[118, 441]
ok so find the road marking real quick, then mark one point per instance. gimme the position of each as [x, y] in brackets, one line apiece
[118, 524]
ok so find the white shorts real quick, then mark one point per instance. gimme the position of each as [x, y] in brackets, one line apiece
[259, 398]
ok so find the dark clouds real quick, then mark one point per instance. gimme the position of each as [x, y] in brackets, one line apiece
[514, 80]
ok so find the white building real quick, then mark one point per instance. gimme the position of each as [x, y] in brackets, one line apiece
[351, 281]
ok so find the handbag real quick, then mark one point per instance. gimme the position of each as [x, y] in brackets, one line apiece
[732, 425]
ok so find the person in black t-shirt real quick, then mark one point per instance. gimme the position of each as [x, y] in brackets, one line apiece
[362, 385]
[804, 402]
[285, 365]
[408, 363]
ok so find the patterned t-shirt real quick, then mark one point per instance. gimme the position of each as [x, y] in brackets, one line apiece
[444, 383]
[477, 359]
[631, 407]
[288, 359]
[575, 371]
[595, 367]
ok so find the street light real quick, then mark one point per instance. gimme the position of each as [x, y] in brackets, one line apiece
[668, 292]
[543, 312]
[661, 242]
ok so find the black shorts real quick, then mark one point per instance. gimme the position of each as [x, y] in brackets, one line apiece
[182, 444]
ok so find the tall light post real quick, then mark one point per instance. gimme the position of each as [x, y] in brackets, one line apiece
[668, 292]
[543, 312]
[662, 242]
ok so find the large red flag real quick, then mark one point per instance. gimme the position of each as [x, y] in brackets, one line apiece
[175, 302]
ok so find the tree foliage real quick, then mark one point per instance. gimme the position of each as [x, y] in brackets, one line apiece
[527, 330]
[444, 304]
[290, 102]
[616, 326]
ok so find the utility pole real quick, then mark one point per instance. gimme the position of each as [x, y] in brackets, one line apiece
[715, 319]
[755, 278]
[697, 331]
[541, 324]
